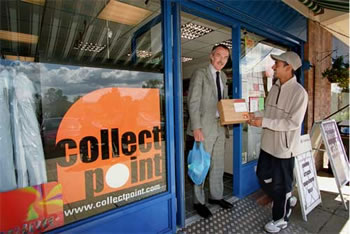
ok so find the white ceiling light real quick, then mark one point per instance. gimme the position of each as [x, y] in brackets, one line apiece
[123, 13]
[186, 59]
[192, 31]
[90, 47]
[142, 54]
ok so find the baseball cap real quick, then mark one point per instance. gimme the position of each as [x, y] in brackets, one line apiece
[289, 57]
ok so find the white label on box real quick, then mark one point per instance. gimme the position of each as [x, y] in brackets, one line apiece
[240, 107]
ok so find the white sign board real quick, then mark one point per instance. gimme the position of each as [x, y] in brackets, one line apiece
[305, 171]
[336, 154]
[335, 150]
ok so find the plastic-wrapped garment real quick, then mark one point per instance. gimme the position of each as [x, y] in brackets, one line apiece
[18, 150]
[25, 121]
[7, 169]
[254, 142]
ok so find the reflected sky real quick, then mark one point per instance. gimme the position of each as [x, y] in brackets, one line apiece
[77, 81]
[258, 58]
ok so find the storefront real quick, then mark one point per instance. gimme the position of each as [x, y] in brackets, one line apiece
[93, 105]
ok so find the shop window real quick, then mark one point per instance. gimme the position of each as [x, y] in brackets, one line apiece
[257, 80]
[82, 102]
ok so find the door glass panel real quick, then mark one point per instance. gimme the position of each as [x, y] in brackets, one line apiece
[257, 80]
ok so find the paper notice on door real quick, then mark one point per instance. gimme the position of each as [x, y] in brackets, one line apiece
[240, 107]
[253, 104]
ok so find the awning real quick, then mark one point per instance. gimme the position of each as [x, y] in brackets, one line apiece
[317, 6]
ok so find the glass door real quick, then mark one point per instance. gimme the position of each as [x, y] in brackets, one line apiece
[256, 80]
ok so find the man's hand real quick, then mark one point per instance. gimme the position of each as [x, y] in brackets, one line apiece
[251, 116]
[198, 135]
[255, 121]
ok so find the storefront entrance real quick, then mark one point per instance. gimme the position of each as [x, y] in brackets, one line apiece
[195, 35]
[198, 36]
[103, 98]
[196, 31]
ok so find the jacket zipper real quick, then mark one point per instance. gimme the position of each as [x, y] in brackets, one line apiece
[286, 140]
[278, 95]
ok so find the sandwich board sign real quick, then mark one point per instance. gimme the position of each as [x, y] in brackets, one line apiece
[305, 171]
[336, 154]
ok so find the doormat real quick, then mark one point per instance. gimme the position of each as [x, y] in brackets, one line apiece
[246, 216]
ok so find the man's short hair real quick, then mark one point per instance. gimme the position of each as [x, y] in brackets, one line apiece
[286, 64]
[220, 45]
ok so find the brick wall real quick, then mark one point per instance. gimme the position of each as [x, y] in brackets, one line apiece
[318, 50]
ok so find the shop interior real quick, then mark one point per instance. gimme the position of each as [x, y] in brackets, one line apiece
[198, 36]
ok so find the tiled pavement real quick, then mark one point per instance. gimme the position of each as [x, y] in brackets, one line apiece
[249, 215]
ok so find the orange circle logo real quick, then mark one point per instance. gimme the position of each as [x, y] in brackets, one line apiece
[109, 140]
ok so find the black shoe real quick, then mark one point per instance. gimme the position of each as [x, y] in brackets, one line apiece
[224, 204]
[202, 210]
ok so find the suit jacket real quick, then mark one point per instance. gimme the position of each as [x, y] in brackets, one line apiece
[202, 101]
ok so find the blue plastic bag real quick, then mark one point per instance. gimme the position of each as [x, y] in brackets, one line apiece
[198, 162]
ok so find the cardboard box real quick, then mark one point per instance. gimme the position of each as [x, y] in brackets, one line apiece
[233, 111]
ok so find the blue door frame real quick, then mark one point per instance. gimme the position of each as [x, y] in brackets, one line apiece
[208, 11]
[178, 112]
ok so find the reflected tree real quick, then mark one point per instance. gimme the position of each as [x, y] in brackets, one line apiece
[77, 98]
[154, 84]
[158, 84]
[55, 104]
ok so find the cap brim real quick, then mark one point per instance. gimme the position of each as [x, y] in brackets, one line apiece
[277, 57]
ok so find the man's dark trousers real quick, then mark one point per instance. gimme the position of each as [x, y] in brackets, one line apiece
[276, 179]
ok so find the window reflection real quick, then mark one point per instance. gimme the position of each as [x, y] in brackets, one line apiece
[97, 110]
[257, 79]
[81, 32]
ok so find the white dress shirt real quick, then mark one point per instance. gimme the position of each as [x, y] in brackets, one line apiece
[213, 74]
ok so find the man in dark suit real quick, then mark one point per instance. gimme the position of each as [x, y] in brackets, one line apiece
[207, 87]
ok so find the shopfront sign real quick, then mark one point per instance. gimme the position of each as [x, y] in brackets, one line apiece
[336, 154]
[109, 144]
[34, 209]
[305, 171]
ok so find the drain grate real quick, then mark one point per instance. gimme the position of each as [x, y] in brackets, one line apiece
[245, 217]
